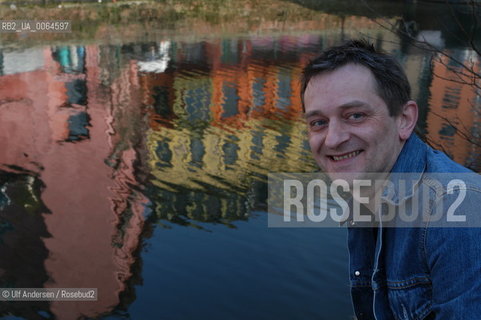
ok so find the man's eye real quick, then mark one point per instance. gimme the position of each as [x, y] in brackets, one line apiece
[356, 116]
[318, 123]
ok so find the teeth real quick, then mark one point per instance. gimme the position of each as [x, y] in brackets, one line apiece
[347, 156]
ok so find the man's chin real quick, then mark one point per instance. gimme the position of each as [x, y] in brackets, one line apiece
[349, 177]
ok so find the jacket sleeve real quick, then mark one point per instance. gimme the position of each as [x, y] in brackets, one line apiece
[453, 257]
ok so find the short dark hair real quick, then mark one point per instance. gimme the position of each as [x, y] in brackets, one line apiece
[392, 84]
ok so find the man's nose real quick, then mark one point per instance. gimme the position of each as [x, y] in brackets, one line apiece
[336, 135]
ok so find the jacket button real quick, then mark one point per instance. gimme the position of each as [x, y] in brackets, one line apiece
[357, 273]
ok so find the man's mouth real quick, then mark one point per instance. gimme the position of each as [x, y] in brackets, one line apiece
[345, 156]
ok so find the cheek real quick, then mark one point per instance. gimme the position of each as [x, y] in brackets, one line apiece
[315, 142]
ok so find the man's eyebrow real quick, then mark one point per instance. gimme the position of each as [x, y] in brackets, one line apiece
[353, 104]
[312, 113]
[347, 105]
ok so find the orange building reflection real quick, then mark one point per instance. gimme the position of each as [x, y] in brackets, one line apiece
[57, 123]
[453, 123]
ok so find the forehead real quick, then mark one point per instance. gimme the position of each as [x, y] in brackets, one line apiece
[351, 82]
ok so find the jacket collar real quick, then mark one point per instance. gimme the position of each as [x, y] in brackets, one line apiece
[412, 157]
[409, 166]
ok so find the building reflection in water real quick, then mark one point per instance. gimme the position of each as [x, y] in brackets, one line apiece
[58, 122]
[220, 119]
[99, 143]
[455, 117]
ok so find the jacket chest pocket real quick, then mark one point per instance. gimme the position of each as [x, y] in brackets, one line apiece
[410, 300]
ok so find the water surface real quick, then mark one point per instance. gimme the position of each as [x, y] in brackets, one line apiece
[136, 163]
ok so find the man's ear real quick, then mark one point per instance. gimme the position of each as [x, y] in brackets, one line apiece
[407, 119]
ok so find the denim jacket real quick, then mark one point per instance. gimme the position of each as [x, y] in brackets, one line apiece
[419, 272]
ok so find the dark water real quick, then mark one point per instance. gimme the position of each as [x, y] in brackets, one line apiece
[139, 167]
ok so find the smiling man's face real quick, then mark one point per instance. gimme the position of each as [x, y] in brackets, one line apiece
[350, 129]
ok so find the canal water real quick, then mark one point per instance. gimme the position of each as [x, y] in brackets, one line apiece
[134, 154]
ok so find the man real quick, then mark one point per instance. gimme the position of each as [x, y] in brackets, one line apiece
[360, 121]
